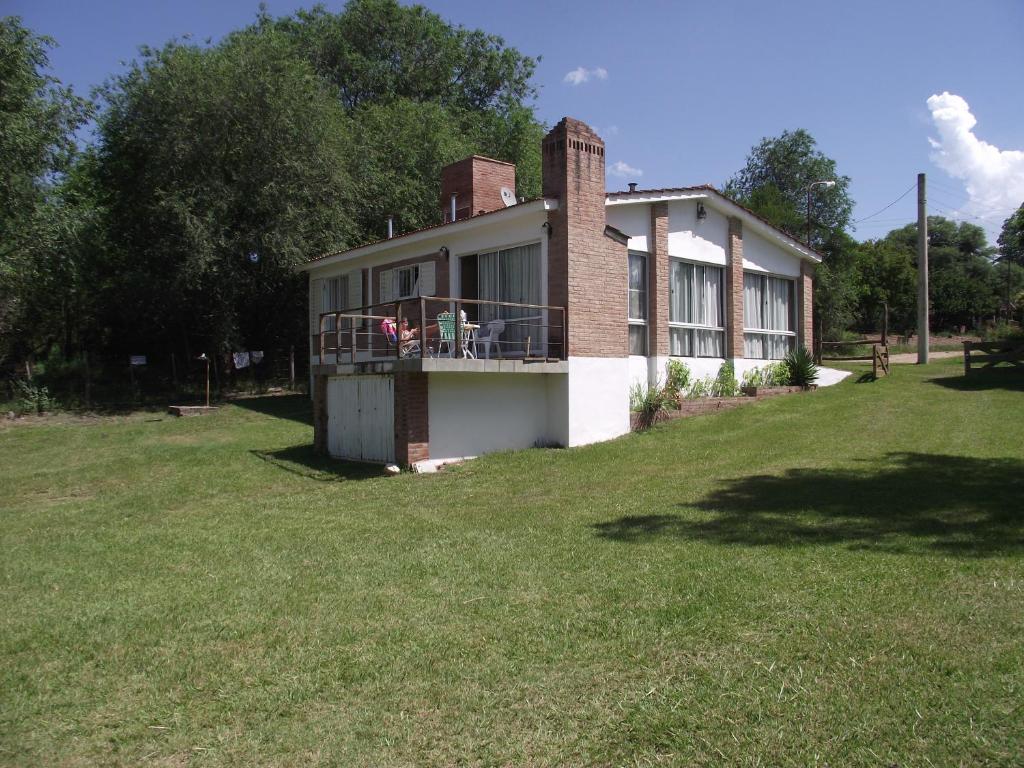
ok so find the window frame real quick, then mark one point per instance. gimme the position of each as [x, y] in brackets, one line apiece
[681, 325]
[413, 270]
[644, 294]
[791, 335]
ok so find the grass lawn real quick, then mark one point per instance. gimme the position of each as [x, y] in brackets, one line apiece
[835, 578]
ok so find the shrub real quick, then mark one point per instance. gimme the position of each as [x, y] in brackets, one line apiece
[755, 377]
[700, 388]
[802, 370]
[648, 402]
[677, 378]
[33, 398]
[776, 374]
[725, 384]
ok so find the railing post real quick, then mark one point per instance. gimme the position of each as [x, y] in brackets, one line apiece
[458, 329]
[353, 322]
[398, 330]
[423, 327]
[565, 333]
[320, 339]
[337, 338]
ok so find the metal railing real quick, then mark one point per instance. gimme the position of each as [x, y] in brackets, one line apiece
[468, 328]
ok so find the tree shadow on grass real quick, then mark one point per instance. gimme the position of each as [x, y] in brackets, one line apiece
[1011, 379]
[911, 502]
[295, 407]
[302, 460]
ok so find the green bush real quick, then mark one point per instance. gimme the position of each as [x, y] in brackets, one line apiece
[33, 398]
[700, 388]
[648, 402]
[725, 384]
[802, 370]
[677, 378]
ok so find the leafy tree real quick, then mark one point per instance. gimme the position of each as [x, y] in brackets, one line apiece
[774, 184]
[1011, 239]
[886, 277]
[38, 118]
[206, 156]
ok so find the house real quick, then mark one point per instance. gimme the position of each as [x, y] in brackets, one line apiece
[531, 319]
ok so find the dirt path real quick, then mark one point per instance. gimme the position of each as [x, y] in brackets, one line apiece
[911, 357]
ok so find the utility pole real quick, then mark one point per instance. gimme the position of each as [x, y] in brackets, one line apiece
[922, 273]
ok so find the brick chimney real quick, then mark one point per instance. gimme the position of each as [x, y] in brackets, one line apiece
[476, 183]
[587, 270]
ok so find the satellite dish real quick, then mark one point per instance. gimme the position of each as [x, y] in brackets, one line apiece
[508, 197]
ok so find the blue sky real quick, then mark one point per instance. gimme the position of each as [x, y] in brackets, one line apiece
[680, 91]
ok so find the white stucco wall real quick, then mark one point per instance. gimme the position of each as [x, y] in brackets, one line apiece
[759, 255]
[694, 240]
[476, 413]
[635, 221]
[598, 399]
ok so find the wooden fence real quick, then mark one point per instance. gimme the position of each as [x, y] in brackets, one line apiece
[992, 353]
[879, 355]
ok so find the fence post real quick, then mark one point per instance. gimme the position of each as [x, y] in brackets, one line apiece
[291, 366]
[967, 357]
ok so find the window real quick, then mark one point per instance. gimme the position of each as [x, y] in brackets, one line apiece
[407, 279]
[512, 275]
[768, 324]
[637, 304]
[696, 317]
[334, 298]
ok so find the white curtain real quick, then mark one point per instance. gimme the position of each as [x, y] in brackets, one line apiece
[512, 275]
[753, 300]
[712, 296]
[778, 304]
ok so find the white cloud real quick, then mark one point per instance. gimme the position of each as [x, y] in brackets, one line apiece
[611, 130]
[623, 170]
[582, 75]
[993, 178]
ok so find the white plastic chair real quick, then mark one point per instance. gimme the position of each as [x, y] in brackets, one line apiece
[494, 329]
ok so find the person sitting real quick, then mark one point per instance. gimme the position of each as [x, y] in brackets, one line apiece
[408, 338]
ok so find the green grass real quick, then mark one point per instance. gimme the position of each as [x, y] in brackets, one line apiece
[834, 578]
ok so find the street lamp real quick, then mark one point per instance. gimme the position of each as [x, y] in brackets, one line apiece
[811, 186]
[206, 360]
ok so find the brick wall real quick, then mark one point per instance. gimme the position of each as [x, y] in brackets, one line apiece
[658, 282]
[805, 306]
[587, 271]
[476, 182]
[734, 290]
[412, 425]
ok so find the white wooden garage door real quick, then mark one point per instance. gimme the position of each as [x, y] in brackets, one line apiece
[361, 418]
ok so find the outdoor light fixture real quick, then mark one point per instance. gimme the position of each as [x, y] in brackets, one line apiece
[702, 212]
[445, 252]
[546, 226]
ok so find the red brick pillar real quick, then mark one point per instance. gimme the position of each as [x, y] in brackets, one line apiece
[412, 425]
[657, 292]
[805, 306]
[734, 291]
[320, 414]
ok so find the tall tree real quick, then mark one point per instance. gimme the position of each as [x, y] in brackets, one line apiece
[38, 118]
[207, 156]
[1011, 238]
[774, 184]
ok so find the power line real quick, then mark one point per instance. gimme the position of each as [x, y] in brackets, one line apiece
[910, 189]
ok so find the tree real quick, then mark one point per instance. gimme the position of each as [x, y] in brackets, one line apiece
[207, 156]
[774, 184]
[1011, 239]
[38, 118]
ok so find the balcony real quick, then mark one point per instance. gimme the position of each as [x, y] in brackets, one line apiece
[442, 334]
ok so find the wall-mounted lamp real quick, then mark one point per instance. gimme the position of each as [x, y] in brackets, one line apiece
[546, 226]
[702, 212]
[445, 252]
